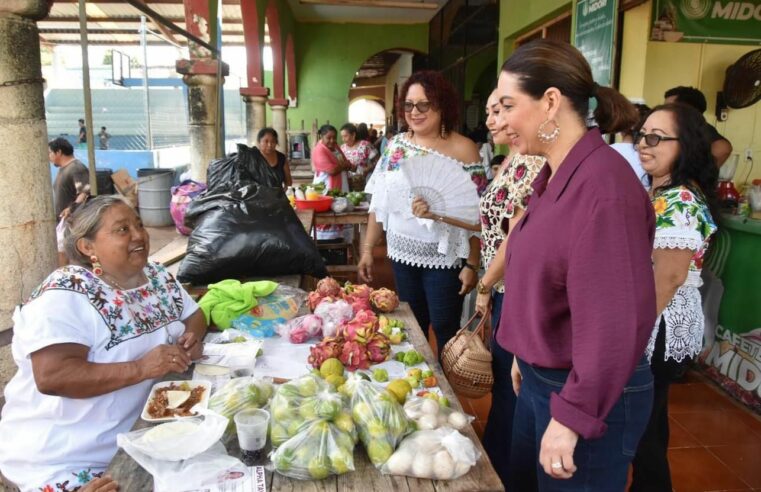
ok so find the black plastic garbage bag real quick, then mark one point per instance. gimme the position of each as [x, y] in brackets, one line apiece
[250, 232]
[240, 169]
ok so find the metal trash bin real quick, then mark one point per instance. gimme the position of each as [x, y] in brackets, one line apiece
[154, 196]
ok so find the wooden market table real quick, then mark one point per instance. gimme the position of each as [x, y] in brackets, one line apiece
[366, 477]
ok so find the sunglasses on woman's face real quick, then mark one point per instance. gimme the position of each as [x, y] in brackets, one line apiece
[651, 139]
[422, 106]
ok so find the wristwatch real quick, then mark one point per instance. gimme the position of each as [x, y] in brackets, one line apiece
[482, 289]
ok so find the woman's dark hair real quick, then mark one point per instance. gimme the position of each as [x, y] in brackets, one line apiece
[266, 131]
[694, 167]
[324, 129]
[440, 94]
[497, 160]
[545, 63]
[349, 127]
[362, 132]
[644, 111]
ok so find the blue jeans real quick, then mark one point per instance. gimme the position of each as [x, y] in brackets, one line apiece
[602, 463]
[433, 295]
[499, 427]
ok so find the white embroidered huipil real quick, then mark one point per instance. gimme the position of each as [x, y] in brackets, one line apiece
[50, 439]
[682, 221]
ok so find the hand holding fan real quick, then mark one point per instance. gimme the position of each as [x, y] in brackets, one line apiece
[443, 184]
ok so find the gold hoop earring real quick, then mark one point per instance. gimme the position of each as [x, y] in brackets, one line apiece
[550, 137]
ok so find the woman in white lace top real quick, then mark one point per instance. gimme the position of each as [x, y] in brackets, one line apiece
[677, 157]
[433, 267]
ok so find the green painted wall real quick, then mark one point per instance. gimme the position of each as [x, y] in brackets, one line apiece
[517, 17]
[328, 55]
[475, 68]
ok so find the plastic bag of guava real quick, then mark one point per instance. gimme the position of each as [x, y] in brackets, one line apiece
[440, 454]
[240, 394]
[429, 414]
[379, 418]
[319, 450]
[299, 402]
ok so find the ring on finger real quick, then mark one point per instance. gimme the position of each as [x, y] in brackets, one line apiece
[557, 466]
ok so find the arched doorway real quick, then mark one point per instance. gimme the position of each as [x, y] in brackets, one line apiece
[378, 80]
[369, 111]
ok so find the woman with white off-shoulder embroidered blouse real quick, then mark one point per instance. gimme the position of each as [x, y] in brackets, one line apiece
[433, 267]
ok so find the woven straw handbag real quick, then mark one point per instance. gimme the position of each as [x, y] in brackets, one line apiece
[466, 361]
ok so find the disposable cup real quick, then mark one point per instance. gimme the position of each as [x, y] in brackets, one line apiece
[252, 426]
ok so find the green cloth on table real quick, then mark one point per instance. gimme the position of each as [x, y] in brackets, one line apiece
[228, 299]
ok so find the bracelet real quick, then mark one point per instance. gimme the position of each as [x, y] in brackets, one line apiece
[472, 267]
[482, 289]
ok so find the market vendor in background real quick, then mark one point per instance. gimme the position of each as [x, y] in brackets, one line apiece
[675, 153]
[331, 168]
[360, 153]
[89, 343]
[720, 148]
[579, 303]
[275, 160]
[433, 283]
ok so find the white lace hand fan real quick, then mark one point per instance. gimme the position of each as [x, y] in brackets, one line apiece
[443, 184]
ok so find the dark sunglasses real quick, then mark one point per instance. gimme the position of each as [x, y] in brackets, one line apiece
[651, 139]
[422, 106]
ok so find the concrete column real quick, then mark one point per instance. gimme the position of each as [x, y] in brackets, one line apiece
[202, 108]
[27, 220]
[255, 116]
[279, 123]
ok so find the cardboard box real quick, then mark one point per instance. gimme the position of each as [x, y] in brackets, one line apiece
[125, 185]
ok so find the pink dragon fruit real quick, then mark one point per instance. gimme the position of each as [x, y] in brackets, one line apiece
[357, 303]
[362, 290]
[328, 287]
[361, 328]
[378, 348]
[314, 299]
[329, 347]
[354, 356]
[384, 300]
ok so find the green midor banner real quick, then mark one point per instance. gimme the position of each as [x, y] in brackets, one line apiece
[594, 35]
[707, 21]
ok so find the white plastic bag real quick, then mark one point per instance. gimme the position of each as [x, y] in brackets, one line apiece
[177, 440]
[333, 314]
[301, 329]
[441, 454]
[319, 450]
[428, 414]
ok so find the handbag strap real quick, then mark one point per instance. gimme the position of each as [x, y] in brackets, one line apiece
[478, 331]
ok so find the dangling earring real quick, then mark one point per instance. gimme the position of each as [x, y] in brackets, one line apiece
[410, 134]
[97, 269]
[443, 131]
[548, 137]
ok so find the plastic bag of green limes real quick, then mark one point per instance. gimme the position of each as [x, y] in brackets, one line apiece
[299, 402]
[319, 450]
[380, 420]
[240, 394]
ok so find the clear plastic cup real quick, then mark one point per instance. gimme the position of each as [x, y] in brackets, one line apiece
[252, 428]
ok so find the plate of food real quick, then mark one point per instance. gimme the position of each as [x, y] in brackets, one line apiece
[171, 400]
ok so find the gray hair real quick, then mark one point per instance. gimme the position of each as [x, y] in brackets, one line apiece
[85, 223]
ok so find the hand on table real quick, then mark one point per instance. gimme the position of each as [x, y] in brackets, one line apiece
[163, 360]
[102, 484]
[189, 342]
[469, 279]
[556, 453]
[420, 209]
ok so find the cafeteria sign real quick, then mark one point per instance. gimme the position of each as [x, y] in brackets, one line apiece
[707, 21]
[594, 36]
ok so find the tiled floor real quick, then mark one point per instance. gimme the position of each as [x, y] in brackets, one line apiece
[715, 443]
